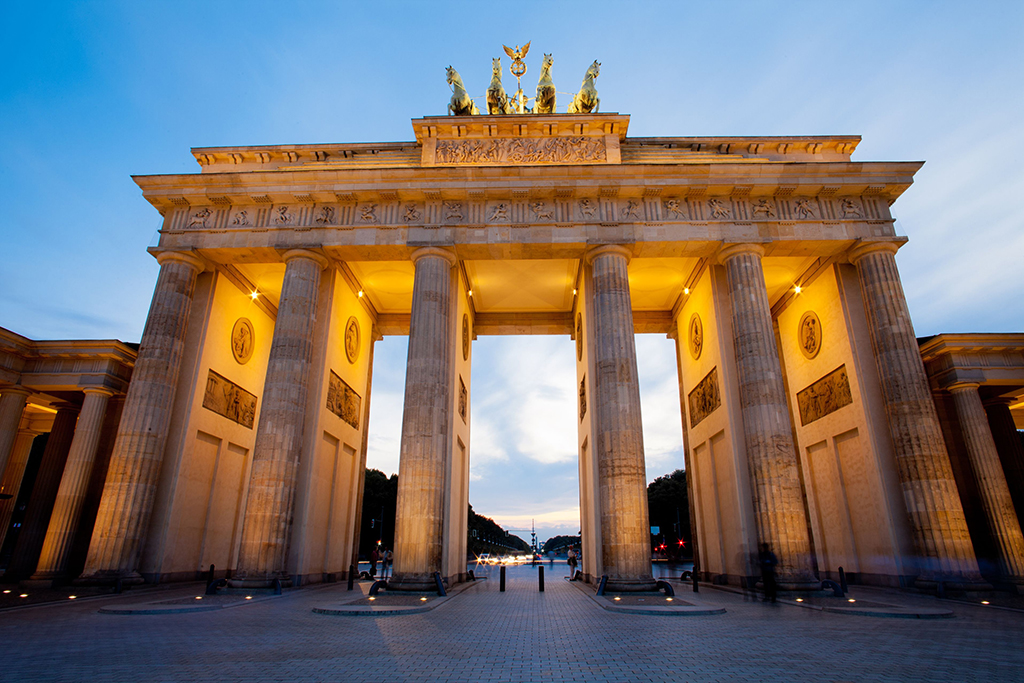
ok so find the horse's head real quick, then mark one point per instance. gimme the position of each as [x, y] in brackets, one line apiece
[496, 65]
[595, 69]
[548, 61]
[452, 74]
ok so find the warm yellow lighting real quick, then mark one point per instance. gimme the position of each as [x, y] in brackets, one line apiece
[255, 295]
[199, 597]
[372, 598]
[668, 599]
[248, 597]
[470, 292]
[24, 595]
[72, 597]
[798, 289]
[574, 292]
[423, 599]
[851, 600]
[616, 598]
[686, 290]
[6, 592]
[799, 599]
[360, 294]
[984, 602]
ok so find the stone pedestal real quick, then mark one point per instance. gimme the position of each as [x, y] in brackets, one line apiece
[618, 429]
[768, 434]
[44, 492]
[134, 469]
[12, 404]
[426, 424]
[268, 509]
[74, 484]
[933, 503]
[988, 474]
[1011, 451]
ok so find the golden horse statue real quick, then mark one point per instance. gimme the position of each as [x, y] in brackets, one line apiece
[586, 100]
[461, 103]
[497, 101]
[545, 102]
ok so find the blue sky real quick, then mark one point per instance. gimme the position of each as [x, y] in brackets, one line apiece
[93, 92]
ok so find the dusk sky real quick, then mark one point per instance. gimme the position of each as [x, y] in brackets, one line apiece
[93, 92]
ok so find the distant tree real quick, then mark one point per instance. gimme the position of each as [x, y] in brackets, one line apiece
[487, 536]
[380, 495]
[558, 544]
[669, 505]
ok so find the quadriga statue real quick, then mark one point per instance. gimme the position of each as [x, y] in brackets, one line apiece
[461, 103]
[545, 103]
[497, 101]
[586, 100]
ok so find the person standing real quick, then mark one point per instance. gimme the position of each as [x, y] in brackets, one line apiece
[386, 568]
[374, 556]
[768, 561]
[571, 560]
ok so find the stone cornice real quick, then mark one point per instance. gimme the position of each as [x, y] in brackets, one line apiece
[973, 343]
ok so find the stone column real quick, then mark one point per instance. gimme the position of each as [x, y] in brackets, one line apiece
[134, 469]
[926, 476]
[268, 510]
[768, 434]
[1011, 451]
[12, 405]
[618, 429]
[44, 491]
[73, 486]
[426, 424]
[988, 473]
[15, 472]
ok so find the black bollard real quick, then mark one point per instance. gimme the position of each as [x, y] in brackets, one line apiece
[540, 577]
[351, 576]
[501, 583]
[209, 574]
[842, 581]
[696, 586]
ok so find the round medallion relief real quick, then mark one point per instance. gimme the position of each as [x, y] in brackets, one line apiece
[809, 334]
[695, 336]
[243, 340]
[465, 336]
[352, 339]
[579, 336]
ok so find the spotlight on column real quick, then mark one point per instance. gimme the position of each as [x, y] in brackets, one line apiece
[574, 292]
[254, 295]
[469, 293]
[797, 289]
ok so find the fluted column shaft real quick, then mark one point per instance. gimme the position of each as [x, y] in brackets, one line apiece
[1010, 448]
[15, 472]
[926, 476]
[67, 508]
[44, 492]
[134, 470]
[988, 473]
[12, 405]
[426, 424]
[768, 435]
[618, 428]
[268, 510]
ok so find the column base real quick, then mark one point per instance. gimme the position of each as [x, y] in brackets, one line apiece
[631, 584]
[797, 582]
[43, 580]
[420, 583]
[259, 581]
[968, 584]
[109, 578]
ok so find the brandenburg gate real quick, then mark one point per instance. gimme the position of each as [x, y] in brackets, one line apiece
[808, 419]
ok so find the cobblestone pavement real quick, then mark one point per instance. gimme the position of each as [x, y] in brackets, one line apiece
[519, 635]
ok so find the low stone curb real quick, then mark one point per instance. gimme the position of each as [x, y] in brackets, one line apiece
[653, 610]
[348, 610]
[157, 608]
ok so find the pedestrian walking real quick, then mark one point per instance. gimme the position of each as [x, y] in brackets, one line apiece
[571, 560]
[768, 561]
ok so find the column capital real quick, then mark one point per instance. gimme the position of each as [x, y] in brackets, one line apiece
[998, 401]
[15, 389]
[957, 387]
[317, 257]
[607, 249]
[98, 390]
[863, 248]
[66, 405]
[423, 252]
[185, 257]
[730, 250]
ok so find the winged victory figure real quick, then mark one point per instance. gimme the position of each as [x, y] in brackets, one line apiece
[517, 54]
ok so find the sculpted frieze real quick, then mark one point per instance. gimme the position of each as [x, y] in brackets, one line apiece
[229, 400]
[705, 398]
[343, 401]
[827, 395]
[556, 150]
